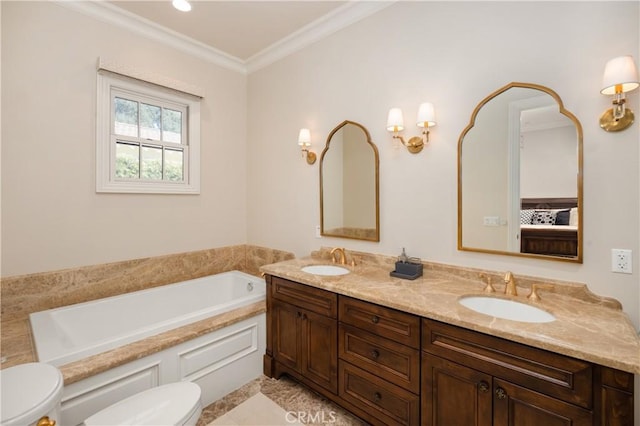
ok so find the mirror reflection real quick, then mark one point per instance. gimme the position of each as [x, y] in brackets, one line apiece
[520, 176]
[349, 195]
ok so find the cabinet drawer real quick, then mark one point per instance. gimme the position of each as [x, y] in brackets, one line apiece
[395, 325]
[382, 400]
[396, 363]
[555, 375]
[313, 299]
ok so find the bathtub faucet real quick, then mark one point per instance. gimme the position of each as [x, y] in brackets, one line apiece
[340, 252]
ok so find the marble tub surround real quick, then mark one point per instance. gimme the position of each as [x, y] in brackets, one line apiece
[24, 294]
[587, 326]
[104, 361]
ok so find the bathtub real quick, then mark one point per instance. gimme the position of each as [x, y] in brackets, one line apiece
[73, 332]
[219, 361]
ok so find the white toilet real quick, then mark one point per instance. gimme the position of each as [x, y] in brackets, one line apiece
[29, 393]
[33, 391]
[175, 404]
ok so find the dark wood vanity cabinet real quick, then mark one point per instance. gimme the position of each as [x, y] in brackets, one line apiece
[394, 368]
[379, 362]
[303, 333]
[499, 382]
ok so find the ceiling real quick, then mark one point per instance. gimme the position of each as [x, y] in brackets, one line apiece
[238, 28]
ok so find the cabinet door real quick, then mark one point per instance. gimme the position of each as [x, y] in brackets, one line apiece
[286, 335]
[454, 394]
[320, 350]
[514, 405]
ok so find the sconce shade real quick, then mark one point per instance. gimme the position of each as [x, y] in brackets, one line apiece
[304, 137]
[181, 5]
[395, 121]
[620, 71]
[426, 115]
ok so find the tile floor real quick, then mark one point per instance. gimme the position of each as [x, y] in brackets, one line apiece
[266, 402]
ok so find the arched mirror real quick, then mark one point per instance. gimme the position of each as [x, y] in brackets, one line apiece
[349, 194]
[520, 176]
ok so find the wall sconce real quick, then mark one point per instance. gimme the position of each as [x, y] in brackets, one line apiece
[620, 76]
[426, 119]
[304, 140]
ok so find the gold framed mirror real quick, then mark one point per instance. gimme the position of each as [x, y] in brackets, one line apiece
[349, 184]
[520, 176]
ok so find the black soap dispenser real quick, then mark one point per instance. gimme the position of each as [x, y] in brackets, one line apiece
[406, 268]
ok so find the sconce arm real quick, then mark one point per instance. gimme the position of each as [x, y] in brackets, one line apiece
[414, 144]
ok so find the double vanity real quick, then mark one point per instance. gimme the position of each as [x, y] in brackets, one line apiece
[459, 346]
[443, 349]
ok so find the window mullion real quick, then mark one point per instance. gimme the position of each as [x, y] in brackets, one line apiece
[162, 163]
[139, 160]
[162, 123]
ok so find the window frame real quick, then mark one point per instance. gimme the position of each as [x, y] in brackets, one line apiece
[109, 85]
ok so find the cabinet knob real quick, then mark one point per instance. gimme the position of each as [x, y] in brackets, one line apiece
[375, 319]
[484, 386]
[377, 396]
[299, 314]
[375, 354]
[501, 394]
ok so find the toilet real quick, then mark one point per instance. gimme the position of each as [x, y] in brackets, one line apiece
[175, 404]
[31, 395]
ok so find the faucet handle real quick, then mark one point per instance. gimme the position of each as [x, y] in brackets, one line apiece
[487, 279]
[533, 296]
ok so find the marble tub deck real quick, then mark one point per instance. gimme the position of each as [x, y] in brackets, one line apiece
[18, 348]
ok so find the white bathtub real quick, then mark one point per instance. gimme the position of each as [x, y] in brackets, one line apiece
[219, 361]
[73, 332]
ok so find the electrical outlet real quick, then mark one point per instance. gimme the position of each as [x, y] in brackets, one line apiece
[318, 232]
[621, 261]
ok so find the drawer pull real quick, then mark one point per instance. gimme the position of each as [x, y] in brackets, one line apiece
[375, 319]
[501, 394]
[377, 396]
[375, 354]
[484, 386]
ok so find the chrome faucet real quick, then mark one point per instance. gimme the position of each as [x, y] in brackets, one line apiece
[340, 251]
[510, 284]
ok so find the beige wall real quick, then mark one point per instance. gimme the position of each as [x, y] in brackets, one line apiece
[267, 195]
[452, 54]
[52, 217]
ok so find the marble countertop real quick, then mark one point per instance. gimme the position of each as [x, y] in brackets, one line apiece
[587, 327]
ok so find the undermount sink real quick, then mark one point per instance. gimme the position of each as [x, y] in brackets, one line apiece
[506, 309]
[325, 270]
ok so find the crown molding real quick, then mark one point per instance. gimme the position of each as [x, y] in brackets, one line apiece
[341, 17]
[328, 24]
[137, 24]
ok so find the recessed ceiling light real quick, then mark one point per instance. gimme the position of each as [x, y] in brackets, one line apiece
[181, 5]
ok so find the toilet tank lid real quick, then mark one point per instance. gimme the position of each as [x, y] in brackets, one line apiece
[170, 404]
[28, 392]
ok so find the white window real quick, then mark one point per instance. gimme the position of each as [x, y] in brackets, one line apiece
[148, 138]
